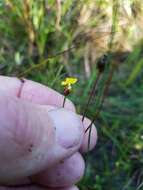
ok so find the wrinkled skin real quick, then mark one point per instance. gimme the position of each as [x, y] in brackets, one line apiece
[40, 142]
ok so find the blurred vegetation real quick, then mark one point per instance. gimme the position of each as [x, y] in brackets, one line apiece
[47, 40]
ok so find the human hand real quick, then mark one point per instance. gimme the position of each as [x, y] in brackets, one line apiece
[40, 142]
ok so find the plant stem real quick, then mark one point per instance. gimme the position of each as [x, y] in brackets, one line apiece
[91, 95]
[89, 137]
[108, 82]
[64, 102]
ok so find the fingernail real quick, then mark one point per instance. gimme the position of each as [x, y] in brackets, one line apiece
[69, 129]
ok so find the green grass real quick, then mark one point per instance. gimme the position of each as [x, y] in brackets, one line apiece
[31, 40]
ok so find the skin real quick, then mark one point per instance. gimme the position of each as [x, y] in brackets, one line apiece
[40, 142]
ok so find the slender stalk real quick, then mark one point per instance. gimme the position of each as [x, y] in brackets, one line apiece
[89, 137]
[64, 102]
[108, 82]
[91, 95]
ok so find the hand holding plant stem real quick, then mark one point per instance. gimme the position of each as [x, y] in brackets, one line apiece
[52, 132]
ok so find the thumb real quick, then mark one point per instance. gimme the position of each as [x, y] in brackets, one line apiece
[33, 137]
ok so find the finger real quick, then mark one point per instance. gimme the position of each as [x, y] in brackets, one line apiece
[32, 138]
[93, 137]
[33, 92]
[41, 94]
[32, 187]
[10, 85]
[64, 174]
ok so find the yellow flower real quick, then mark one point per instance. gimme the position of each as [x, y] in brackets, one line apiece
[68, 82]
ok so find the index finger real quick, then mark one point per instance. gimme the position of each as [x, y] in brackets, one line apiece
[41, 94]
[33, 92]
